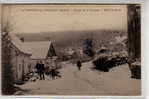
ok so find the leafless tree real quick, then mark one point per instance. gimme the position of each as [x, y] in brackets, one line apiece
[134, 31]
[7, 78]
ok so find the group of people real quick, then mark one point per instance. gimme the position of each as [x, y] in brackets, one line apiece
[42, 70]
[40, 67]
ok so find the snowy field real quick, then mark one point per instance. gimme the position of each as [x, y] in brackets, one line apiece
[85, 82]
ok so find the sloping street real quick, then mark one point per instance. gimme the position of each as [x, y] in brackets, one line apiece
[85, 82]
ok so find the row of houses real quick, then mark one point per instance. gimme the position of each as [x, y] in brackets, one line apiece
[24, 56]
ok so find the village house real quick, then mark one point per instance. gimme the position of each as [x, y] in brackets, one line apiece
[20, 58]
[69, 53]
[24, 56]
[41, 51]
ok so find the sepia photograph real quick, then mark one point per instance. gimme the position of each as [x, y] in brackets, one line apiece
[71, 49]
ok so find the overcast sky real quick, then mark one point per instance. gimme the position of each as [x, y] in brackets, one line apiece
[55, 18]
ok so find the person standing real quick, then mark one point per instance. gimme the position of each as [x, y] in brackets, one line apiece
[41, 71]
[53, 68]
[53, 72]
[79, 65]
[38, 68]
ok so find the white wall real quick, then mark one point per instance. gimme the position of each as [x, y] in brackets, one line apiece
[19, 67]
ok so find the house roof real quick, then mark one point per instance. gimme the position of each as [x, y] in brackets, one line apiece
[20, 45]
[39, 49]
[120, 39]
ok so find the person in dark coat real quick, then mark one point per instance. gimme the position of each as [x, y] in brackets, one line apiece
[38, 68]
[53, 72]
[41, 71]
[79, 65]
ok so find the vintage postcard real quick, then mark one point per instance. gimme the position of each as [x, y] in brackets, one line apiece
[71, 49]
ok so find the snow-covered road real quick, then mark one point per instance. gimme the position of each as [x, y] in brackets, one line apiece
[85, 82]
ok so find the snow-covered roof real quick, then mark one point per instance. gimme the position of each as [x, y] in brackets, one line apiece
[39, 49]
[120, 39]
[70, 51]
[19, 45]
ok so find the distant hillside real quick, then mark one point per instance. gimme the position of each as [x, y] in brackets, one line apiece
[74, 38]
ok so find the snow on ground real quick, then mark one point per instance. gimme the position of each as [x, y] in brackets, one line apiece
[85, 82]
